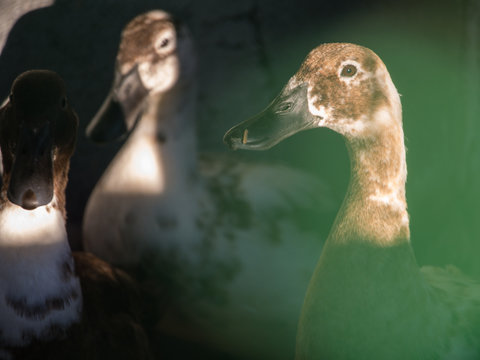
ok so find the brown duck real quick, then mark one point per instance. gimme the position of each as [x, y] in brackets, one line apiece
[367, 298]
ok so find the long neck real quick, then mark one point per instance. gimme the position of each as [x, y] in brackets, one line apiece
[160, 155]
[39, 292]
[375, 209]
[367, 277]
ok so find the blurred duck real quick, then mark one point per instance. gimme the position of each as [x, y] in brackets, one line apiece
[53, 305]
[222, 236]
[367, 298]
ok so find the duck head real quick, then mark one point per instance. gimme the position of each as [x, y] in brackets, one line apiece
[37, 138]
[344, 87]
[155, 56]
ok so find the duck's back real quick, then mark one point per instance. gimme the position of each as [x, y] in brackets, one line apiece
[459, 296]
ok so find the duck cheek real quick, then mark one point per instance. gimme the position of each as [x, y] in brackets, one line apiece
[321, 113]
[160, 76]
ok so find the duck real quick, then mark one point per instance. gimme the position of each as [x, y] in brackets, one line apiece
[53, 303]
[367, 297]
[195, 226]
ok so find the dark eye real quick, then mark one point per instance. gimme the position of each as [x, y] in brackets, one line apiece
[164, 42]
[63, 102]
[284, 107]
[349, 70]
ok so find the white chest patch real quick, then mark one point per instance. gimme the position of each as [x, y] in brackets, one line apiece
[20, 227]
[39, 293]
[136, 170]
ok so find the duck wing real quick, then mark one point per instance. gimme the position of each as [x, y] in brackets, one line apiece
[459, 296]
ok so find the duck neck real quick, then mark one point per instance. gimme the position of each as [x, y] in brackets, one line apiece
[40, 296]
[367, 277]
[375, 208]
[164, 144]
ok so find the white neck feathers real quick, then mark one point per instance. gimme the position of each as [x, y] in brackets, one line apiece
[160, 154]
[39, 292]
[375, 208]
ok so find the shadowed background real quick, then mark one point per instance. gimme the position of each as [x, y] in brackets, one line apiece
[247, 51]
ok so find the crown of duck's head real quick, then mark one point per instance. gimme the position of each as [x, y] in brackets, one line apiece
[160, 47]
[37, 138]
[155, 56]
[344, 87]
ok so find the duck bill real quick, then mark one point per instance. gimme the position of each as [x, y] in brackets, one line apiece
[31, 180]
[120, 110]
[286, 115]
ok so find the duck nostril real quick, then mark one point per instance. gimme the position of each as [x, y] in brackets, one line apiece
[29, 200]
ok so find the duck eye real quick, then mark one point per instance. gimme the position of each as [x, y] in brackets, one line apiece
[164, 42]
[349, 70]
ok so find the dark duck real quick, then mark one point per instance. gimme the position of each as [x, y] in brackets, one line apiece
[53, 303]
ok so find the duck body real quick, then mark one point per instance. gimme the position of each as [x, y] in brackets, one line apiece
[367, 298]
[235, 273]
[221, 291]
[44, 289]
[383, 322]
